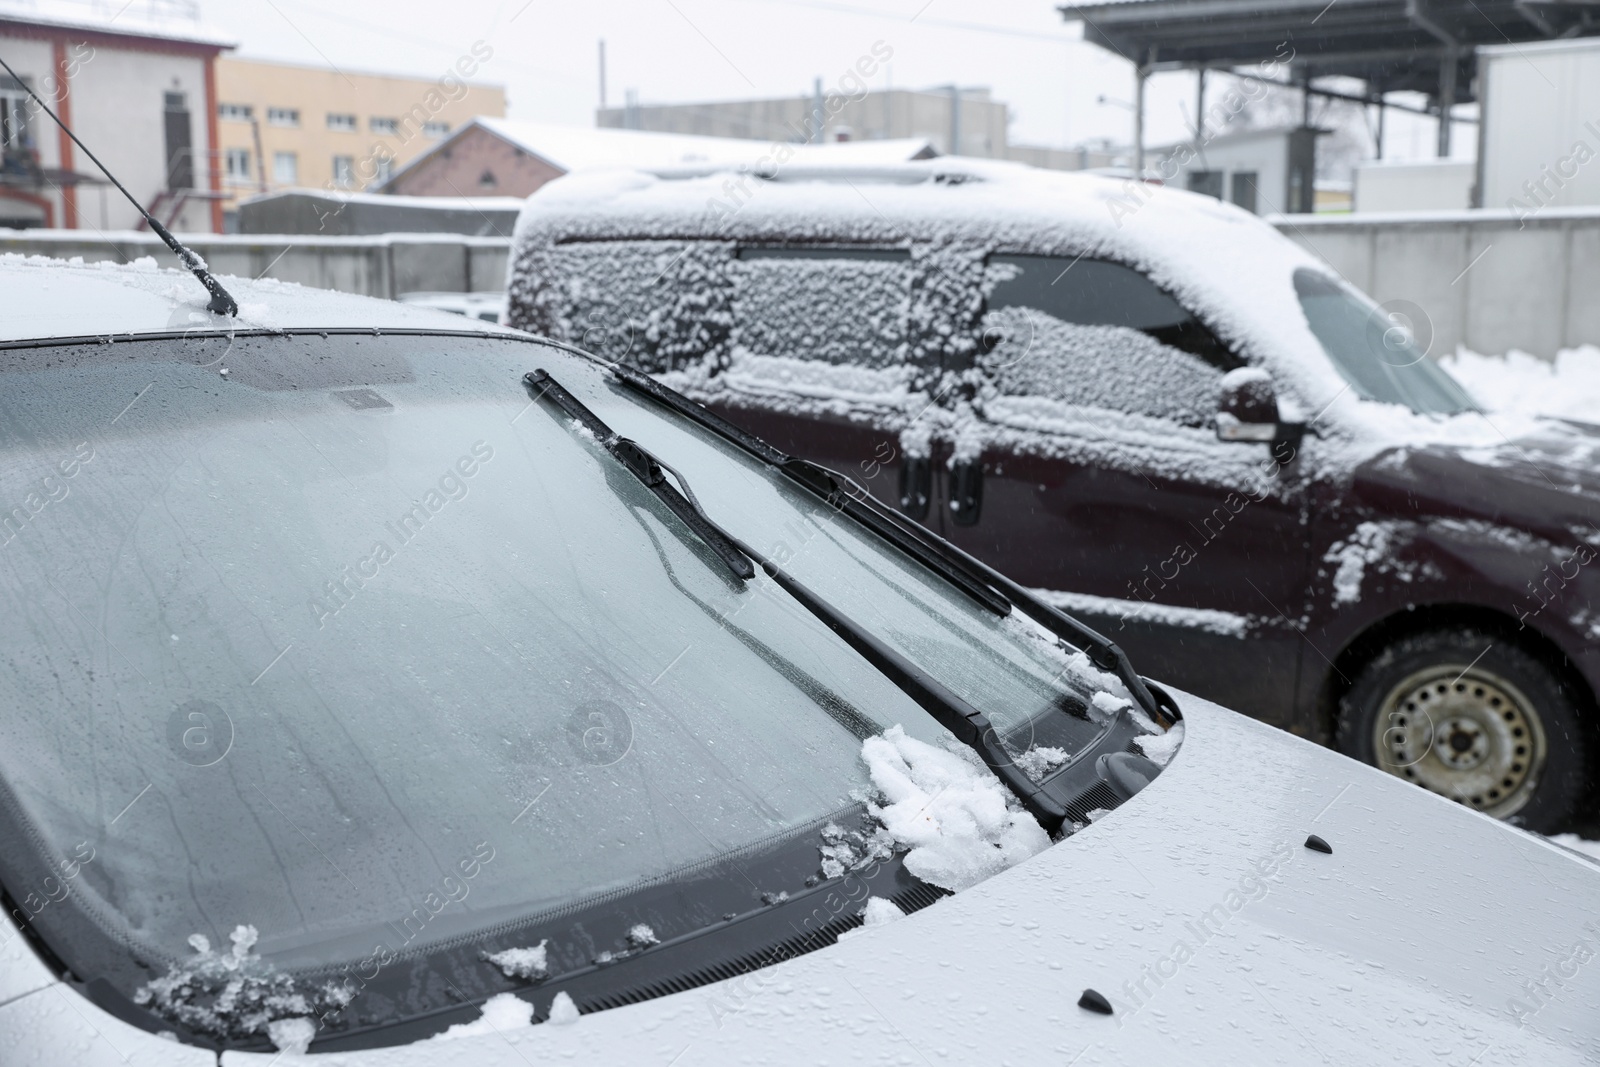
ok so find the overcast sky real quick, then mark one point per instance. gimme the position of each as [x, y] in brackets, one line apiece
[674, 51]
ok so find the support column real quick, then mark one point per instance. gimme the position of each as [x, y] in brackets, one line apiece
[1447, 98]
[1200, 107]
[1141, 74]
[69, 191]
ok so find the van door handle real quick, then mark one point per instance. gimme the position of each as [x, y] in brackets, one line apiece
[916, 486]
[966, 491]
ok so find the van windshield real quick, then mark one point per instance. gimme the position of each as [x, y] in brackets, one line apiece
[356, 644]
[1378, 354]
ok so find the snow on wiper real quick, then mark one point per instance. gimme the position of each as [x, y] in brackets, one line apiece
[969, 725]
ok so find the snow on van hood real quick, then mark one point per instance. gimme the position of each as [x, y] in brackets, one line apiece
[1227, 265]
[1431, 935]
[43, 298]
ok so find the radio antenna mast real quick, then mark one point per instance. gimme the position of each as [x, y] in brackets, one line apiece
[222, 302]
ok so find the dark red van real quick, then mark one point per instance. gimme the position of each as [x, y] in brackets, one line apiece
[1177, 424]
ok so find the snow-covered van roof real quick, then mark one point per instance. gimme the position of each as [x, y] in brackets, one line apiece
[572, 148]
[47, 298]
[1229, 267]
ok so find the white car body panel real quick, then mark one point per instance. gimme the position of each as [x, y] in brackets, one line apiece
[1394, 949]
[47, 298]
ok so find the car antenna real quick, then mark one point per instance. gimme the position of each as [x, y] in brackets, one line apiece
[222, 302]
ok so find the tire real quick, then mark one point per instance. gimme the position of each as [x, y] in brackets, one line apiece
[1476, 719]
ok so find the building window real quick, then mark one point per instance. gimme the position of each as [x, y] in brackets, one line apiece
[283, 116]
[437, 130]
[385, 125]
[1208, 182]
[385, 170]
[344, 171]
[235, 112]
[1244, 189]
[14, 104]
[285, 168]
[238, 165]
[341, 123]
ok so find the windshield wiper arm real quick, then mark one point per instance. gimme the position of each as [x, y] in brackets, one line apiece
[645, 467]
[970, 726]
[977, 579]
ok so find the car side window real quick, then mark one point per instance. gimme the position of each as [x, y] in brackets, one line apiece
[1099, 334]
[828, 305]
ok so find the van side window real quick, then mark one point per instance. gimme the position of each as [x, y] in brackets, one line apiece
[1094, 333]
[829, 305]
[656, 305]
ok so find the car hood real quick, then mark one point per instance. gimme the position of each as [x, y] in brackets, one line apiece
[1431, 934]
[1546, 480]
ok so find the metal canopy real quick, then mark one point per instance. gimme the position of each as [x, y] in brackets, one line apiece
[1392, 45]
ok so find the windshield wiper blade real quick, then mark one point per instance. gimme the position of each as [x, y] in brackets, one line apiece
[970, 726]
[645, 467]
[977, 579]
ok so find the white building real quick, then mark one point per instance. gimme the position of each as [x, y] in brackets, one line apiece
[1268, 171]
[1414, 185]
[1540, 142]
[138, 87]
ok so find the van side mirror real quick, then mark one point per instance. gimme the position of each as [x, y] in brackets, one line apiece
[1247, 409]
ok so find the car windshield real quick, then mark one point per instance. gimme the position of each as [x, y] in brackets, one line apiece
[1377, 352]
[303, 632]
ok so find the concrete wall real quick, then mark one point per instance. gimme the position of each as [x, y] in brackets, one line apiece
[1483, 279]
[383, 266]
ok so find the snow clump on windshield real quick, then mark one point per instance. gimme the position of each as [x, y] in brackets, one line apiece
[529, 964]
[236, 993]
[957, 822]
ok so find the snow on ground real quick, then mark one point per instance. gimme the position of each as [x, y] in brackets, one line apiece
[958, 823]
[1528, 385]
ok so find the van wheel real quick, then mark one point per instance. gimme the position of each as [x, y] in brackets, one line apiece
[1473, 718]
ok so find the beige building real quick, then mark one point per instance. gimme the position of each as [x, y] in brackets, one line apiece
[282, 126]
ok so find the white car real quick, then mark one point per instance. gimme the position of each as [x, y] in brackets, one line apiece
[400, 689]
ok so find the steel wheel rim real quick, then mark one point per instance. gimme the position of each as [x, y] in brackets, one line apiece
[1465, 733]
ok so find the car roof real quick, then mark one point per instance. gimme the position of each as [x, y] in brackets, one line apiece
[52, 298]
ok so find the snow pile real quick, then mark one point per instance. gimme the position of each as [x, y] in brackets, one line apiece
[847, 850]
[236, 994]
[502, 1012]
[1040, 760]
[563, 1011]
[958, 823]
[880, 910]
[528, 964]
[641, 937]
[292, 1035]
[1368, 545]
[1569, 387]
[1161, 747]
